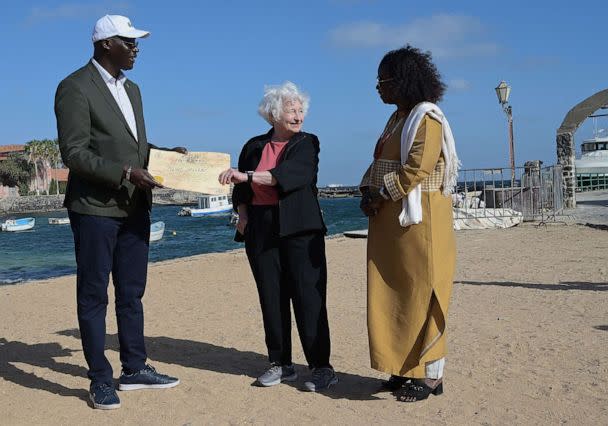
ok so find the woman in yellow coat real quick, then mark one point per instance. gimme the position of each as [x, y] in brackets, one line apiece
[411, 249]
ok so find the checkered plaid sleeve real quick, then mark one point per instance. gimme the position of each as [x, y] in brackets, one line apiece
[392, 186]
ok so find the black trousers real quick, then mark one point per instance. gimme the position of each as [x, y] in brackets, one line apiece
[289, 269]
[119, 246]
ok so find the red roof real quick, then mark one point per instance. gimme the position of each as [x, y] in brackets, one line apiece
[60, 175]
[11, 148]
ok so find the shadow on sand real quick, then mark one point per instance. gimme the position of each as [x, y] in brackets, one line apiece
[39, 355]
[565, 285]
[210, 357]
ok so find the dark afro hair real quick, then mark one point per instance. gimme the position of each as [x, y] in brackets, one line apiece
[416, 77]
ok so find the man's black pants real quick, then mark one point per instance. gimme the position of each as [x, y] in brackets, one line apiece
[289, 269]
[120, 246]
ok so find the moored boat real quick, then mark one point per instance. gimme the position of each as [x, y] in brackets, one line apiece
[22, 224]
[59, 220]
[157, 229]
[208, 205]
[592, 166]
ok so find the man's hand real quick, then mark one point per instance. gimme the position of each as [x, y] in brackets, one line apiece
[143, 180]
[180, 149]
[371, 201]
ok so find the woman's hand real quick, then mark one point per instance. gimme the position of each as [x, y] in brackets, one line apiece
[371, 202]
[232, 176]
[241, 224]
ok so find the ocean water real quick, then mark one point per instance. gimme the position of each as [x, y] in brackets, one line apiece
[47, 251]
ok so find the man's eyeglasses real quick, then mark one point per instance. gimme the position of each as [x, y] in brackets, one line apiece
[127, 42]
[380, 81]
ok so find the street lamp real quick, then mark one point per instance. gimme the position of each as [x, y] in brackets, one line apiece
[503, 90]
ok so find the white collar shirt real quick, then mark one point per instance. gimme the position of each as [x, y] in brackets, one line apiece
[117, 89]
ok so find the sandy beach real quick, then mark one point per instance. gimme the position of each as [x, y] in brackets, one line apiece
[528, 332]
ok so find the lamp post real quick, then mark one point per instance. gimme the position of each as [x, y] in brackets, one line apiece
[503, 90]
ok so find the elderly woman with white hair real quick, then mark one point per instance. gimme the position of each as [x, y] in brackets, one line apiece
[275, 195]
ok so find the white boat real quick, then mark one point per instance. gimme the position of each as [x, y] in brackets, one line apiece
[23, 224]
[594, 156]
[157, 229]
[59, 220]
[209, 205]
[592, 166]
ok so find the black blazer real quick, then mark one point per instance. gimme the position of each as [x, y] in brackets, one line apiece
[96, 142]
[296, 177]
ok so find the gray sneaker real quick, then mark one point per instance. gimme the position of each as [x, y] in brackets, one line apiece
[322, 378]
[277, 374]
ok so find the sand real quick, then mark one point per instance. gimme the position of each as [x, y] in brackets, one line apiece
[528, 339]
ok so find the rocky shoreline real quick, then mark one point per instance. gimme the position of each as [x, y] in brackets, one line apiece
[49, 203]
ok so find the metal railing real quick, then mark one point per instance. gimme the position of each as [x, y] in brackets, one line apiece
[591, 182]
[533, 192]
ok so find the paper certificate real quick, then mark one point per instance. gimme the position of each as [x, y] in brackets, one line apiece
[196, 171]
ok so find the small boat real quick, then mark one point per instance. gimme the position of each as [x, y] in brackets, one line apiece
[208, 205]
[157, 229]
[59, 220]
[23, 224]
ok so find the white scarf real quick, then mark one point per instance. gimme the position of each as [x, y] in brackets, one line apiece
[411, 212]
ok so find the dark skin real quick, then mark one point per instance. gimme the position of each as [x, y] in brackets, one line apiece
[114, 55]
[372, 201]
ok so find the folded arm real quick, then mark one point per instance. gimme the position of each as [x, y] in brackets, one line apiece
[300, 169]
[421, 160]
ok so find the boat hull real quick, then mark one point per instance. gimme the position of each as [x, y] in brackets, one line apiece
[157, 230]
[16, 225]
[213, 211]
[59, 220]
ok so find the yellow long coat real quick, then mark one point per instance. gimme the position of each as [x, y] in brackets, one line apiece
[410, 270]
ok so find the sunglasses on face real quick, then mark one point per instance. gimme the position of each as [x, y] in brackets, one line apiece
[380, 81]
[129, 43]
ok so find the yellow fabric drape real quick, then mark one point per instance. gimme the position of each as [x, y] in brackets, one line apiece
[410, 270]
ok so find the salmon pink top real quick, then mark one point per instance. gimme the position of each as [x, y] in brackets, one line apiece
[265, 195]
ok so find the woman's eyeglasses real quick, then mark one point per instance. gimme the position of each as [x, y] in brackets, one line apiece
[384, 80]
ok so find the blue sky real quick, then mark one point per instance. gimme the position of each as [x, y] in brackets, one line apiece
[203, 69]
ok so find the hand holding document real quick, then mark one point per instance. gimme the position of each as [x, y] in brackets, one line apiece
[195, 171]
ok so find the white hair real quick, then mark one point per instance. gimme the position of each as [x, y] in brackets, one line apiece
[271, 105]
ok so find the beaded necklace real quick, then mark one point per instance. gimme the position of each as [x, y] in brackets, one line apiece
[389, 130]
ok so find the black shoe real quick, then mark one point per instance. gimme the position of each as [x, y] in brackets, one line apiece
[146, 378]
[104, 397]
[418, 390]
[394, 383]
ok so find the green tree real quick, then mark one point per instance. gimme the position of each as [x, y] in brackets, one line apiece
[42, 154]
[16, 170]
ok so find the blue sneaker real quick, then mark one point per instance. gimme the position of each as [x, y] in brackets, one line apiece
[321, 379]
[104, 397]
[146, 378]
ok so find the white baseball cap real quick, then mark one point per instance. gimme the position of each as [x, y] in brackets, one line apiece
[116, 25]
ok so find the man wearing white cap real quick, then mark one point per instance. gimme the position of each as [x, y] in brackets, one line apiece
[103, 142]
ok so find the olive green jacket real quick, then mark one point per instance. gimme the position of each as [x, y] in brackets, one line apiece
[96, 143]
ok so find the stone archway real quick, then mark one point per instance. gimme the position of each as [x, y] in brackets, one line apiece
[565, 140]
